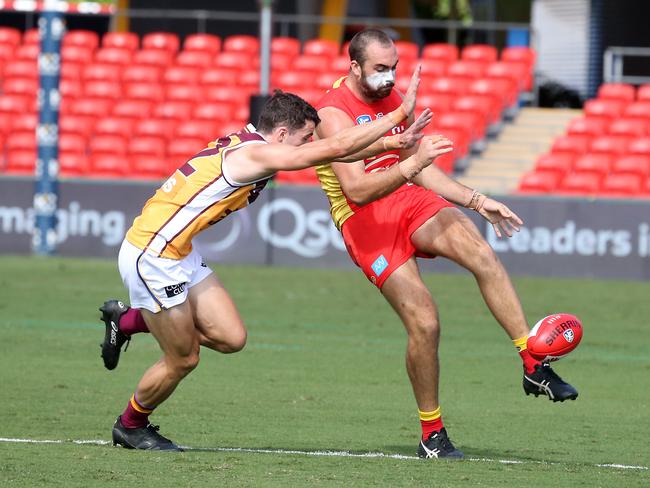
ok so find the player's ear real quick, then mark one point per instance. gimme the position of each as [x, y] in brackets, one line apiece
[356, 68]
[281, 134]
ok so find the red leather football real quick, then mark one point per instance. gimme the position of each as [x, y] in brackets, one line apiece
[554, 336]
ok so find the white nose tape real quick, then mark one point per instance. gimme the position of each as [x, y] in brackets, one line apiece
[382, 79]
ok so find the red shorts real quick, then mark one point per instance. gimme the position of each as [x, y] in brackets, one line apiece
[378, 235]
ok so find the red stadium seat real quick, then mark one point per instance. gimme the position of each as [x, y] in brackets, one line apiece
[96, 107]
[599, 164]
[484, 105]
[608, 109]
[321, 47]
[233, 60]
[326, 80]
[197, 59]
[197, 129]
[184, 93]
[341, 64]
[166, 41]
[142, 74]
[407, 50]
[153, 57]
[31, 36]
[587, 126]
[117, 126]
[6, 123]
[559, 163]
[466, 69]
[214, 111]
[503, 89]
[72, 143]
[511, 70]
[20, 86]
[621, 185]
[109, 144]
[638, 110]
[103, 89]
[439, 103]
[285, 45]
[250, 79]
[609, 144]
[431, 68]
[281, 61]
[643, 93]
[305, 176]
[629, 127]
[207, 43]
[149, 167]
[616, 91]
[134, 109]
[465, 121]
[147, 146]
[242, 44]
[108, 165]
[21, 161]
[7, 53]
[144, 91]
[9, 36]
[479, 52]
[73, 164]
[219, 76]
[77, 54]
[25, 139]
[632, 164]
[173, 109]
[639, 145]
[21, 69]
[121, 40]
[227, 94]
[181, 75]
[519, 54]
[292, 80]
[114, 55]
[156, 127]
[11, 103]
[101, 71]
[446, 85]
[306, 62]
[24, 122]
[580, 184]
[82, 38]
[538, 182]
[183, 148]
[70, 89]
[572, 144]
[28, 52]
[444, 52]
[71, 71]
[77, 124]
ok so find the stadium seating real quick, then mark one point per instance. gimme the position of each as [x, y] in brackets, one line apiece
[557, 163]
[443, 52]
[205, 43]
[121, 40]
[321, 47]
[538, 182]
[616, 91]
[479, 52]
[246, 45]
[580, 184]
[165, 41]
[82, 38]
[114, 55]
[621, 185]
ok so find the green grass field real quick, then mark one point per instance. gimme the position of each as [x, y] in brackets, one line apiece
[323, 371]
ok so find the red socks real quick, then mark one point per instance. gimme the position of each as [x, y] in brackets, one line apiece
[132, 322]
[431, 422]
[135, 416]
[529, 361]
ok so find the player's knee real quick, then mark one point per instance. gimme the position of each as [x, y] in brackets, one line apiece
[425, 330]
[485, 258]
[235, 342]
[185, 365]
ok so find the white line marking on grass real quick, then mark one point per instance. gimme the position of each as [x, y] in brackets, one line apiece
[99, 442]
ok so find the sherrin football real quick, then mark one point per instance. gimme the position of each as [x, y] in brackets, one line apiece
[554, 336]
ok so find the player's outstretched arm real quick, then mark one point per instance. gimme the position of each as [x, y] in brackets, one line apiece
[269, 158]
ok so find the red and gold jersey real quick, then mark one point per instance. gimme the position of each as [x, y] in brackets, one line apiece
[196, 196]
[340, 96]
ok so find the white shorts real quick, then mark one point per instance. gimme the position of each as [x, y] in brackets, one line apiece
[157, 283]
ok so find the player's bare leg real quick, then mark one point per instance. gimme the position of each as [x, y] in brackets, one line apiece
[175, 332]
[411, 299]
[451, 234]
[216, 317]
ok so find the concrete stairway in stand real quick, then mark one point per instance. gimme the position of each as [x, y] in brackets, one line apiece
[498, 169]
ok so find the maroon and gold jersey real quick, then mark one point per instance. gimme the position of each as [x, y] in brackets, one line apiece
[340, 97]
[197, 195]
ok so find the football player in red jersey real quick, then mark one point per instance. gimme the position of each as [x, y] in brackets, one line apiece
[173, 294]
[388, 216]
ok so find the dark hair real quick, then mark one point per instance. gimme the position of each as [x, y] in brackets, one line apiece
[286, 109]
[359, 43]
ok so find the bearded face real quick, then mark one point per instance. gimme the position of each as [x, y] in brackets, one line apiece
[377, 84]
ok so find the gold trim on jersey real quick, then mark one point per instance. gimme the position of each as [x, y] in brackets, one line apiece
[196, 196]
